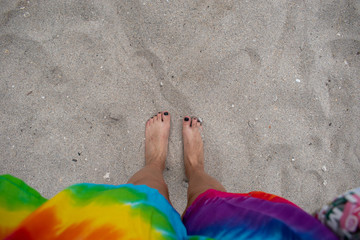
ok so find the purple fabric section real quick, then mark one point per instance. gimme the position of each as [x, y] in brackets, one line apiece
[252, 218]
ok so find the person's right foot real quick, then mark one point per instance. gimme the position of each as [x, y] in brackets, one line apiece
[157, 132]
[193, 145]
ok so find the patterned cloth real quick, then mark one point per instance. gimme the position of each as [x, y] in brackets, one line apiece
[343, 215]
[95, 211]
[254, 215]
[87, 211]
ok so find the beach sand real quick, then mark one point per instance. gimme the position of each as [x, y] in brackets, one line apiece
[276, 84]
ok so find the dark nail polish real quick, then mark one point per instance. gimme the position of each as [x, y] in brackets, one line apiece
[186, 119]
[198, 120]
[159, 112]
[166, 113]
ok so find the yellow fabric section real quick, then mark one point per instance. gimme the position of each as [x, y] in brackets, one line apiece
[11, 219]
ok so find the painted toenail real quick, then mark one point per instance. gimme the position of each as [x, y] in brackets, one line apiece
[198, 120]
[166, 113]
[186, 119]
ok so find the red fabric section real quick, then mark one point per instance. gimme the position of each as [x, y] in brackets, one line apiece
[211, 193]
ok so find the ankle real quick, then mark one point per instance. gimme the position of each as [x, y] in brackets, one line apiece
[194, 171]
[156, 166]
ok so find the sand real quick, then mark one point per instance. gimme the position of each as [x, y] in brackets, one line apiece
[275, 82]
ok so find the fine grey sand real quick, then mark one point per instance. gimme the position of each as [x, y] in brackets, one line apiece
[275, 82]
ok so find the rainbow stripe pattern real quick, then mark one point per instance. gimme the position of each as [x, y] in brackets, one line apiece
[98, 211]
[89, 211]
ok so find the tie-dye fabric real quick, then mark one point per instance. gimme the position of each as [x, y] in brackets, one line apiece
[95, 211]
[17, 201]
[255, 215]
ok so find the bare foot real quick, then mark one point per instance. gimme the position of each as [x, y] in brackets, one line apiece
[193, 145]
[157, 132]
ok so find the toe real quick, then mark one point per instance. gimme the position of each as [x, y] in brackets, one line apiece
[165, 116]
[158, 117]
[186, 121]
[150, 121]
[193, 122]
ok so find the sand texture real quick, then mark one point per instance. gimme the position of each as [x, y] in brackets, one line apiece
[275, 82]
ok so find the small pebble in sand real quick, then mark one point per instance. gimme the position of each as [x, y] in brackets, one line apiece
[43, 97]
[325, 182]
[338, 34]
[26, 14]
[232, 105]
[324, 168]
[293, 159]
[107, 176]
[185, 184]
[161, 84]
[298, 80]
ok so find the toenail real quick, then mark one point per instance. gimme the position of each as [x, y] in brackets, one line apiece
[166, 113]
[186, 119]
[198, 120]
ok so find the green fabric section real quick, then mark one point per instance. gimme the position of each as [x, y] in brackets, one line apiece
[158, 219]
[104, 194]
[17, 195]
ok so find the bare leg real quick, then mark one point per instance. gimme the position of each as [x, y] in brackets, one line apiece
[156, 146]
[199, 180]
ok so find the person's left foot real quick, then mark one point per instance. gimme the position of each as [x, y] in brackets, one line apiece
[157, 132]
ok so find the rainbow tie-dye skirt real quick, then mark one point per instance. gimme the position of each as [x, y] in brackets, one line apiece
[97, 211]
